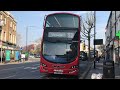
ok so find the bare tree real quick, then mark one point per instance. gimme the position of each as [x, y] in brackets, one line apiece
[87, 25]
[38, 48]
[38, 40]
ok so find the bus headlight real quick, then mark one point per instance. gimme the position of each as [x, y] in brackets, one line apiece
[44, 65]
[75, 66]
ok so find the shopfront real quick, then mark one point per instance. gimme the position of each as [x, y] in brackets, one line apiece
[116, 51]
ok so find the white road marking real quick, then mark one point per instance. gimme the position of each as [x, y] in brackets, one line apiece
[8, 77]
[34, 70]
[35, 67]
[11, 68]
[27, 67]
[31, 67]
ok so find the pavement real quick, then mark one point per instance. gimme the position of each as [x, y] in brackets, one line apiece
[18, 62]
[99, 69]
[87, 69]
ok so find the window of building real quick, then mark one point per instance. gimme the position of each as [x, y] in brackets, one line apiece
[15, 28]
[1, 16]
[1, 36]
[117, 26]
[11, 39]
[5, 20]
[4, 36]
[11, 24]
[14, 39]
[117, 14]
[111, 29]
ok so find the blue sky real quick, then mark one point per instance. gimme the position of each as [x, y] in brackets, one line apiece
[35, 18]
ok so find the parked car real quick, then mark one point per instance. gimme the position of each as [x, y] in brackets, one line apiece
[37, 56]
[83, 56]
[31, 56]
[22, 56]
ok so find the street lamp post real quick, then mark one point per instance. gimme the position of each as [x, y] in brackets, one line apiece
[27, 35]
[94, 36]
[1, 24]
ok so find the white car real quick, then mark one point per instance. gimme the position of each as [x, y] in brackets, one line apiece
[22, 56]
[31, 56]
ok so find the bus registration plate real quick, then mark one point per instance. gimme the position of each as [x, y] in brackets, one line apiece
[58, 71]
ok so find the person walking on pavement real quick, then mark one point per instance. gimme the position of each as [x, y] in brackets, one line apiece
[108, 57]
[97, 59]
[3, 56]
[19, 57]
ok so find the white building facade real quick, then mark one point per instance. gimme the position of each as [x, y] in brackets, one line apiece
[112, 43]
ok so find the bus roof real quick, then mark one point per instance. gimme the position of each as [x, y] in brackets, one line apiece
[63, 13]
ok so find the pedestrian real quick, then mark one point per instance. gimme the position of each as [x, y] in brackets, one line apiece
[19, 57]
[3, 56]
[97, 59]
[108, 57]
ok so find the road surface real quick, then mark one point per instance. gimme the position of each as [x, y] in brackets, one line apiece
[30, 70]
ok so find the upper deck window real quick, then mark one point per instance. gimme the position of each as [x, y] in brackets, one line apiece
[62, 20]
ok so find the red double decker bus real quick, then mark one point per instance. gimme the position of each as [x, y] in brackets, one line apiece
[60, 47]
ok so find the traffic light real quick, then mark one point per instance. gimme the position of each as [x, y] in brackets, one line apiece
[83, 46]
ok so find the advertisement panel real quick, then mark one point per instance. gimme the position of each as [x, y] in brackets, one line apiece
[17, 53]
[7, 53]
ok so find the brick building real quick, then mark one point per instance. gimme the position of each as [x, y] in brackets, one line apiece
[8, 30]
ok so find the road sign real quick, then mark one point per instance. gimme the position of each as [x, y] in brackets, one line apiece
[17, 53]
[118, 33]
[98, 42]
[7, 55]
